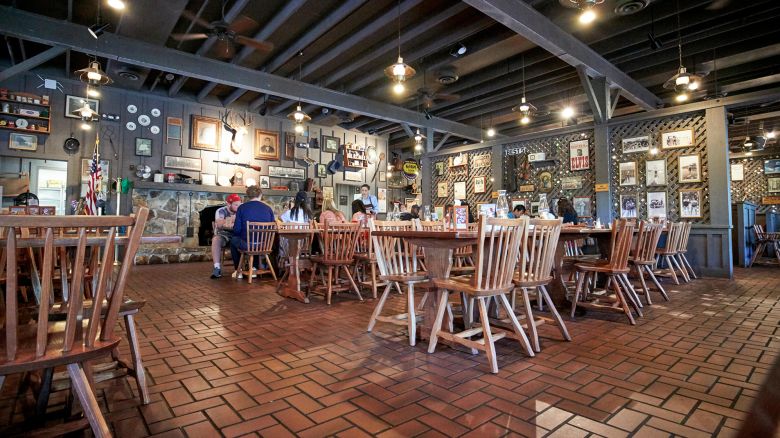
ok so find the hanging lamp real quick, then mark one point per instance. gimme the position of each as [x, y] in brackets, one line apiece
[299, 116]
[94, 75]
[526, 109]
[682, 82]
[400, 71]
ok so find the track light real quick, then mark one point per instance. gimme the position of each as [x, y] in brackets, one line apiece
[458, 50]
[97, 29]
[655, 43]
[117, 4]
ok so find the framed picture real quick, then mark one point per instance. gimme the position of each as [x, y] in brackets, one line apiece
[381, 199]
[479, 184]
[173, 129]
[350, 175]
[690, 168]
[636, 144]
[289, 145]
[578, 155]
[438, 210]
[526, 188]
[690, 203]
[461, 219]
[441, 190]
[322, 171]
[771, 167]
[206, 133]
[143, 147]
[330, 144]
[737, 172]
[545, 182]
[73, 103]
[85, 164]
[655, 172]
[265, 182]
[459, 190]
[656, 205]
[677, 139]
[480, 161]
[382, 176]
[628, 206]
[487, 210]
[582, 205]
[267, 145]
[286, 172]
[23, 142]
[439, 168]
[627, 173]
[183, 163]
[534, 208]
[773, 185]
[571, 183]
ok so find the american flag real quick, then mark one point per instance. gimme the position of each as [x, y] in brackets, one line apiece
[95, 175]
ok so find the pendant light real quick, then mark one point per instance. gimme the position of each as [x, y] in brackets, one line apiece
[299, 116]
[400, 71]
[682, 82]
[526, 109]
[94, 75]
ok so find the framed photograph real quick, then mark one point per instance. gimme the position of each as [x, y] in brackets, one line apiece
[441, 190]
[479, 184]
[289, 145]
[737, 172]
[480, 161]
[23, 142]
[330, 144]
[655, 172]
[545, 182]
[143, 147]
[381, 199]
[773, 185]
[350, 175]
[534, 208]
[690, 168]
[322, 171]
[382, 176]
[206, 133]
[104, 168]
[286, 172]
[461, 219]
[582, 205]
[73, 103]
[636, 144]
[439, 168]
[627, 173]
[459, 190]
[487, 210]
[173, 129]
[265, 182]
[267, 145]
[690, 203]
[677, 139]
[578, 155]
[656, 205]
[183, 163]
[571, 183]
[628, 206]
[771, 167]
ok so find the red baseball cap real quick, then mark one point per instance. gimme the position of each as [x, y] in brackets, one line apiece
[233, 198]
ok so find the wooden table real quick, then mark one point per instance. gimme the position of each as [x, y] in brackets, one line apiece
[289, 285]
[603, 237]
[438, 246]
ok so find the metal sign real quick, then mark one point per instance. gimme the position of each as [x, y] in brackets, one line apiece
[411, 168]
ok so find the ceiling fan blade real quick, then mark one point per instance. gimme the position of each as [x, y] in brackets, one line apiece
[192, 17]
[224, 49]
[242, 25]
[446, 96]
[263, 46]
[427, 101]
[188, 36]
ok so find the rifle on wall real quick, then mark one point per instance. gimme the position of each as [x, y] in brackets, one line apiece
[248, 166]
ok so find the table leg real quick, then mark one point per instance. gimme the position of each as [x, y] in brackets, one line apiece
[557, 289]
[439, 263]
[291, 282]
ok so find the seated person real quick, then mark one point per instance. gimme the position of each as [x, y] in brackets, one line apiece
[299, 212]
[517, 212]
[359, 212]
[254, 210]
[567, 212]
[330, 213]
[407, 216]
[223, 231]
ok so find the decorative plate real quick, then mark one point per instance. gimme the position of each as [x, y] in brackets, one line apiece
[155, 129]
[130, 126]
[144, 120]
[132, 109]
[371, 155]
[21, 123]
[155, 112]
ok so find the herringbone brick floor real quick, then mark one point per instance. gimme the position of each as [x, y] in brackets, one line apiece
[229, 359]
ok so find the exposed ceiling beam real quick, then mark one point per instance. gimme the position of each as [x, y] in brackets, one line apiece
[526, 21]
[594, 90]
[45, 30]
[441, 142]
[31, 63]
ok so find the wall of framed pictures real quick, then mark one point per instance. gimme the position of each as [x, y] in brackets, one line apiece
[754, 179]
[472, 175]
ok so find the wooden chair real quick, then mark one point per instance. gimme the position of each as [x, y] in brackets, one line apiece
[764, 240]
[365, 262]
[463, 260]
[498, 245]
[534, 271]
[682, 249]
[422, 225]
[615, 269]
[337, 240]
[226, 259]
[86, 333]
[642, 256]
[397, 262]
[259, 242]
[669, 251]
[304, 248]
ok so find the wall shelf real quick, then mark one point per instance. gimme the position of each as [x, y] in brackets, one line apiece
[23, 116]
[208, 189]
[25, 103]
[34, 131]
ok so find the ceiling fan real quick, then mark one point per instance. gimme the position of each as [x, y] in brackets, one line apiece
[430, 96]
[227, 34]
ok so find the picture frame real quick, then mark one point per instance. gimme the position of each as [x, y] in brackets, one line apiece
[583, 205]
[461, 216]
[105, 166]
[680, 138]
[690, 203]
[438, 210]
[655, 173]
[487, 209]
[23, 142]
[183, 163]
[526, 188]
[329, 143]
[771, 167]
[737, 172]
[629, 206]
[773, 185]
[322, 171]
[173, 128]
[381, 199]
[439, 168]
[286, 172]
[267, 145]
[289, 145]
[143, 147]
[441, 190]
[627, 173]
[689, 168]
[545, 182]
[636, 144]
[459, 190]
[73, 103]
[579, 158]
[354, 176]
[481, 161]
[480, 184]
[265, 182]
[382, 176]
[206, 133]
[571, 183]
[656, 205]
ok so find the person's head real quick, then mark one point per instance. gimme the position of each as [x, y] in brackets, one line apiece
[328, 204]
[402, 208]
[299, 203]
[233, 201]
[415, 210]
[519, 210]
[254, 192]
[358, 207]
[365, 189]
[267, 141]
[564, 206]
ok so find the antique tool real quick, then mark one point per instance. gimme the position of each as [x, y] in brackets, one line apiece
[248, 166]
[379, 164]
[190, 228]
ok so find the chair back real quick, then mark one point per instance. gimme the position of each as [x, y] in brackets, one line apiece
[573, 248]
[394, 256]
[305, 245]
[363, 241]
[467, 250]
[75, 338]
[498, 246]
[338, 241]
[538, 254]
[647, 241]
[685, 233]
[429, 225]
[622, 235]
[759, 230]
[260, 237]
[673, 235]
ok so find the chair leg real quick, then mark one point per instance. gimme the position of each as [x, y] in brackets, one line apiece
[517, 327]
[490, 348]
[468, 311]
[135, 354]
[270, 267]
[759, 250]
[622, 300]
[577, 291]
[410, 315]
[683, 273]
[89, 404]
[690, 268]
[628, 292]
[657, 283]
[440, 309]
[330, 284]
[555, 314]
[529, 317]
[424, 298]
[641, 272]
[669, 264]
[251, 268]
[352, 281]
[312, 279]
[378, 308]
[373, 279]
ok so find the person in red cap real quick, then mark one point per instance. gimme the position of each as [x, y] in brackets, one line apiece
[223, 231]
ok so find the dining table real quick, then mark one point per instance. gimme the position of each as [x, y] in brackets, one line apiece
[289, 285]
[603, 237]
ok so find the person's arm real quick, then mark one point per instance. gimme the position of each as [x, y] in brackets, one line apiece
[286, 216]
[219, 219]
[238, 224]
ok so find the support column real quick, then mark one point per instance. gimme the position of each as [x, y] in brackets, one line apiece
[714, 252]
[497, 166]
[603, 167]
[425, 168]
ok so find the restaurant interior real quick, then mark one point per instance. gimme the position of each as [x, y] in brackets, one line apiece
[389, 218]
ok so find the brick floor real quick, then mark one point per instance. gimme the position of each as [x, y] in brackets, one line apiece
[225, 358]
